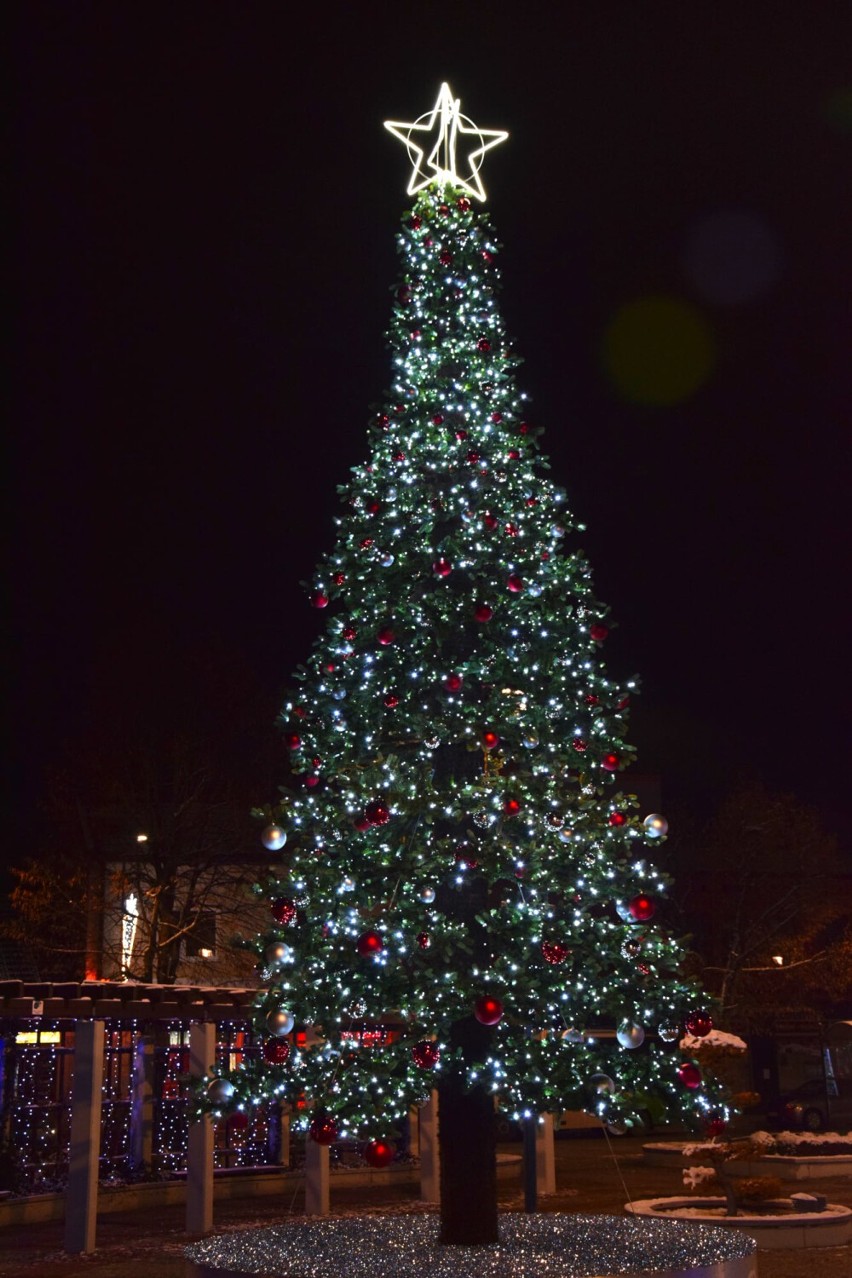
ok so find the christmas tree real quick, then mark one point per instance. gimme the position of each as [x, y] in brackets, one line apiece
[464, 900]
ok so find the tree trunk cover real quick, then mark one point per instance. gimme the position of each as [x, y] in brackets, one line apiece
[467, 1141]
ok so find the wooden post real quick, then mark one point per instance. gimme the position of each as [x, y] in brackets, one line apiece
[199, 1163]
[430, 1158]
[81, 1196]
[283, 1137]
[412, 1127]
[316, 1179]
[545, 1155]
[142, 1105]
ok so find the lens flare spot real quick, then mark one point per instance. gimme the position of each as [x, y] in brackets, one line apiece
[731, 256]
[838, 109]
[658, 350]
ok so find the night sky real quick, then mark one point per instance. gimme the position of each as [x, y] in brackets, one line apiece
[206, 204]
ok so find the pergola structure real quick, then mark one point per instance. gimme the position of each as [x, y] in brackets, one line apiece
[92, 1008]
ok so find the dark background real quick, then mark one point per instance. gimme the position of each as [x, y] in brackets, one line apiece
[206, 205]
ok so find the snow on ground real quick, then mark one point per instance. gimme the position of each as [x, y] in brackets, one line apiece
[776, 1142]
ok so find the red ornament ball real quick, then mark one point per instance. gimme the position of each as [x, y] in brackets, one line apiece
[488, 1010]
[361, 823]
[386, 636]
[283, 910]
[473, 457]
[461, 435]
[483, 344]
[598, 631]
[415, 222]
[292, 741]
[442, 567]
[579, 744]
[453, 682]
[515, 583]
[366, 543]
[497, 417]
[425, 1054]
[312, 780]
[444, 210]
[323, 1129]
[339, 578]
[463, 204]
[391, 701]
[610, 762]
[369, 943]
[689, 1074]
[424, 940]
[379, 1153]
[486, 256]
[511, 807]
[512, 530]
[276, 1051]
[490, 522]
[591, 699]
[617, 818]
[715, 1126]
[642, 908]
[320, 600]
[490, 740]
[377, 812]
[554, 952]
[483, 612]
[698, 1024]
[513, 455]
[465, 856]
[446, 258]
[349, 633]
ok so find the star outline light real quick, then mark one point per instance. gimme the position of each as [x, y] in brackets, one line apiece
[440, 166]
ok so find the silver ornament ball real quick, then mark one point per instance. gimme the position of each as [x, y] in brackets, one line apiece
[483, 819]
[273, 838]
[220, 1091]
[277, 954]
[602, 1084]
[630, 1035]
[573, 1035]
[656, 826]
[427, 894]
[279, 1021]
[668, 1031]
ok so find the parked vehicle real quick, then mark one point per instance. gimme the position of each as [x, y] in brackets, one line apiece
[810, 1108]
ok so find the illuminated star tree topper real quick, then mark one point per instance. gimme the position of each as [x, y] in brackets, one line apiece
[442, 127]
